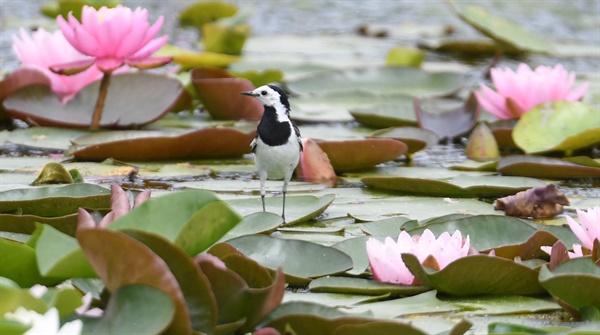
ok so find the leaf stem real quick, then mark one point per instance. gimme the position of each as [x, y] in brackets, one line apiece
[95, 125]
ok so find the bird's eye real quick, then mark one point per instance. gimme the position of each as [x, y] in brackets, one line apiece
[263, 92]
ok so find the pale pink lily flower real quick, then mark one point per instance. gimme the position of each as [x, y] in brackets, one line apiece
[587, 230]
[42, 50]
[386, 258]
[113, 37]
[518, 92]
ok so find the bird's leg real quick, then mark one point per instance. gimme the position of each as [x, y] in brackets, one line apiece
[287, 178]
[263, 179]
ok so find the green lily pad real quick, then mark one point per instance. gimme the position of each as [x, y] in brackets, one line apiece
[330, 299]
[348, 285]
[138, 266]
[470, 165]
[558, 126]
[337, 106]
[380, 80]
[298, 208]
[20, 265]
[297, 258]
[133, 100]
[426, 302]
[255, 223]
[64, 7]
[485, 231]
[133, 309]
[26, 224]
[159, 145]
[508, 34]
[461, 185]
[387, 115]
[196, 219]
[14, 296]
[477, 275]
[415, 138]
[55, 200]
[18, 79]
[498, 305]
[355, 248]
[574, 282]
[361, 154]
[545, 167]
[386, 227]
[188, 59]
[467, 47]
[204, 12]
[405, 56]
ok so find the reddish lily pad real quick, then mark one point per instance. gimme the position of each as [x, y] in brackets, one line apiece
[156, 145]
[558, 126]
[220, 94]
[415, 138]
[138, 266]
[447, 118]
[502, 130]
[545, 167]
[461, 185]
[360, 154]
[380, 80]
[476, 275]
[133, 100]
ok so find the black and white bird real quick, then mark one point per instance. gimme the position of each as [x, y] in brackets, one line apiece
[278, 143]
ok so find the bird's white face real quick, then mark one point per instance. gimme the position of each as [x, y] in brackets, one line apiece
[266, 95]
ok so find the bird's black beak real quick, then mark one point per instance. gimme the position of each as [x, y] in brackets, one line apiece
[250, 93]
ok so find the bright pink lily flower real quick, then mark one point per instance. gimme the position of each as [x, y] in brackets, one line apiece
[587, 230]
[43, 49]
[518, 92]
[386, 258]
[113, 37]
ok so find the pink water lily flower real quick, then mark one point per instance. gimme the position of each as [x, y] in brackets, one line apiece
[43, 49]
[587, 230]
[386, 258]
[518, 92]
[113, 37]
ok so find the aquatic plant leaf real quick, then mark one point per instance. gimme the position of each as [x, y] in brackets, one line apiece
[460, 185]
[482, 145]
[225, 38]
[40, 137]
[25, 224]
[52, 201]
[53, 173]
[415, 138]
[448, 118]
[537, 202]
[508, 34]
[188, 59]
[63, 7]
[133, 309]
[400, 114]
[380, 80]
[545, 167]
[14, 296]
[333, 284]
[477, 275]
[133, 100]
[404, 56]
[508, 304]
[425, 302]
[220, 94]
[200, 13]
[157, 145]
[360, 154]
[138, 266]
[314, 165]
[558, 126]
[297, 258]
[20, 265]
[17, 80]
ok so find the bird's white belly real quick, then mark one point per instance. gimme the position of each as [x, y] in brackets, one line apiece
[278, 160]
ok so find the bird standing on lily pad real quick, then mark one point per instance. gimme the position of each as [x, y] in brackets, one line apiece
[278, 143]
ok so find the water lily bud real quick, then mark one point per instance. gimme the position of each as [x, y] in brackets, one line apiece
[482, 145]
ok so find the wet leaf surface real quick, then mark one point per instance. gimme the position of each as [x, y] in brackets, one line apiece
[298, 208]
[445, 118]
[545, 167]
[380, 80]
[144, 146]
[348, 285]
[557, 126]
[415, 138]
[360, 154]
[154, 96]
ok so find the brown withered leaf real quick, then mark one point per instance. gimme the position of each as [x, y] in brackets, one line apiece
[537, 202]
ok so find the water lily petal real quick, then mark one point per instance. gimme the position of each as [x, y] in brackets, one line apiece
[149, 48]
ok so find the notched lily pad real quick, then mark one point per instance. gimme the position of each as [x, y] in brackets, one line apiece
[461, 185]
[157, 145]
[360, 154]
[448, 118]
[476, 275]
[415, 138]
[133, 100]
[545, 167]
[380, 80]
[558, 126]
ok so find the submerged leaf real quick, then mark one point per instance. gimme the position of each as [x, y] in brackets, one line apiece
[537, 202]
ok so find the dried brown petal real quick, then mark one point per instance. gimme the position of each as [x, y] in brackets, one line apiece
[538, 202]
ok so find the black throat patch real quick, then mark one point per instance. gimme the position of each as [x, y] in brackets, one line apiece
[271, 131]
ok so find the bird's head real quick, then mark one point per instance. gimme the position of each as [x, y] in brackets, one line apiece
[269, 95]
